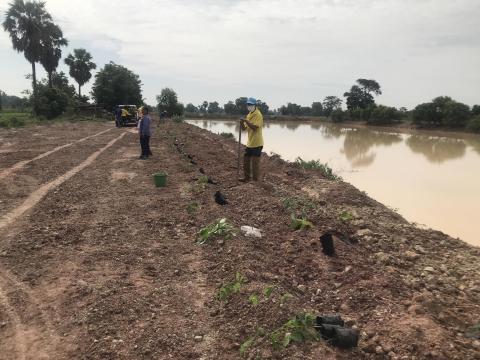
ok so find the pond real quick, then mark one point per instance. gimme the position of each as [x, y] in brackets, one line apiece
[430, 179]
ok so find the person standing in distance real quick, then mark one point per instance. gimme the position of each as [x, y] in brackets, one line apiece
[144, 130]
[253, 123]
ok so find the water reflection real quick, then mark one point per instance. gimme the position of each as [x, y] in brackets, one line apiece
[358, 142]
[437, 149]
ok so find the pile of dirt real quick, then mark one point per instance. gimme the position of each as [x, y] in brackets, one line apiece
[107, 266]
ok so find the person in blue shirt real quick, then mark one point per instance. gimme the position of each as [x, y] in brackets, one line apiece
[144, 130]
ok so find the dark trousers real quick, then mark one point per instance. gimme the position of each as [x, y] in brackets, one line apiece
[145, 144]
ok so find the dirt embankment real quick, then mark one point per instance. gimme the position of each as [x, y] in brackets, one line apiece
[105, 266]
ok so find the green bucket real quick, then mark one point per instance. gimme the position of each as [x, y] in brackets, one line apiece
[160, 179]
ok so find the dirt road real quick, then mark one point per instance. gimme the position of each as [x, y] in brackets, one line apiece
[97, 263]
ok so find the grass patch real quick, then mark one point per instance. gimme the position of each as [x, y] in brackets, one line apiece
[220, 228]
[227, 135]
[317, 165]
[345, 217]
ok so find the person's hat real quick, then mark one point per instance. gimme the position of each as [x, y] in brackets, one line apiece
[251, 101]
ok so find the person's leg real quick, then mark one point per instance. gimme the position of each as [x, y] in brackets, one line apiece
[142, 145]
[256, 160]
[247, 163]
[147, 146]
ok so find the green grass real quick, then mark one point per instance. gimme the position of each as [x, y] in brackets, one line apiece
[10, 118]
[300, 223]
[317, 165]
[227, 135]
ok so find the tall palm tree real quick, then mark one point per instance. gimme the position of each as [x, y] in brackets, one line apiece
[25, 22]
[81, 65]
[51, 52]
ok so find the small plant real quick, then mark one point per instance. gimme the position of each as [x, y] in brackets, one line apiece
[316, 164]
[227, 290]
[253, 299]
[345, 217]
[227, 135]
[192, 207]
[301, 328]
[285, 297]
[267, 292]
[300, 223]
[219, 228]
[200, 185]
[202, 179]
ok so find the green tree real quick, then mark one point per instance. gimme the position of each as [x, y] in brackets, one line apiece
[2, 95]
[442, 110]
[361, 96]
[52, 102]
[114, 85]
[203, 107]
[190, 108]
[168, 101]
[241, 106]
[230, 108]
[476, 110]
[52, 52]
[28, 25]
[263, 107]
[317, 109]
[330, 104]
[383, 115]
[213, 108]
[60, 81]
[81, 66]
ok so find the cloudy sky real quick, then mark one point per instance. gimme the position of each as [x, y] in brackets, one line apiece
[276, 50]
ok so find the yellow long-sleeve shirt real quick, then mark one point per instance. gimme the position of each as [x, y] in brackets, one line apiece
[255, 137]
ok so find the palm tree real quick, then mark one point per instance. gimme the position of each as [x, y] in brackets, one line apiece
[80, 67]
[51, 53]
[25, 22]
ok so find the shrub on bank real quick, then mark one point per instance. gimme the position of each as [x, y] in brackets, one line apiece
[441, 111]
[338, 115]
[474, 124]
[51, 102]
[383, 115]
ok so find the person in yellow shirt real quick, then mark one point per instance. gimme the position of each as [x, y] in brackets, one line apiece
[253, 123]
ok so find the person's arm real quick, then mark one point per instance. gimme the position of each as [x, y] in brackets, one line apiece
[250, 124]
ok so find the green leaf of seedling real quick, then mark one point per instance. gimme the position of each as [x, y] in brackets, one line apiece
[253, 299]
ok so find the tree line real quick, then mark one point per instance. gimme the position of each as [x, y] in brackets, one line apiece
[34, 33]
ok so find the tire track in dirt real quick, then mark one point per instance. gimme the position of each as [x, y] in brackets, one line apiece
[8, 171]
[35, 337]
[16, 325]
[40, 193]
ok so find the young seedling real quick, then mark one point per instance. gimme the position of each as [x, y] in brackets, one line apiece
[219, 228]
[253, 299]
[300, 223]
[345, 217]
[267, 292]
[301, 328]
[192, 207]
[285, 297]
[227, 290]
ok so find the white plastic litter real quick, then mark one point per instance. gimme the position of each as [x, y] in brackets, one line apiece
[251, 231]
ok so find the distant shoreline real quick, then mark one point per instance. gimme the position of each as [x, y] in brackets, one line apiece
[400, 127]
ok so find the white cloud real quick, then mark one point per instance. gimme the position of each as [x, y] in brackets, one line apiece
[289, 50]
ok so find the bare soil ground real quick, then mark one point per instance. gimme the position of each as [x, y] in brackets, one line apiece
[103, 265]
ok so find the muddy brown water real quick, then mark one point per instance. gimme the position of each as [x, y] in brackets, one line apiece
[432, 179]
